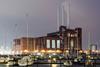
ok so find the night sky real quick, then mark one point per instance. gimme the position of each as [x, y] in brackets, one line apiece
[42, 19]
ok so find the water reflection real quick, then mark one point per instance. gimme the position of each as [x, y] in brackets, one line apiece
[13, 66]
[54, 65]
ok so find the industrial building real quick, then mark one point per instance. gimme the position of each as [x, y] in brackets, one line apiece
[62, 40]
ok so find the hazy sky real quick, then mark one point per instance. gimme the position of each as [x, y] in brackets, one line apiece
[42, 18]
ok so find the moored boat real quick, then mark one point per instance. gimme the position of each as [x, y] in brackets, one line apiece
[25, 61]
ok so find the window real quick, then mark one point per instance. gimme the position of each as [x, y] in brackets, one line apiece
[58, 43]
[68, 34]
[72, 43]
[48, 43]
[53, 43]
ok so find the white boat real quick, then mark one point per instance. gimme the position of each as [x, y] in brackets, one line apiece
[30, 62]
[2, 59]
[25, 61]
[11, 62]
[22, 62]
[9, 58]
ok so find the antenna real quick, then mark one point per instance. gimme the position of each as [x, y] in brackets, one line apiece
[57, 18]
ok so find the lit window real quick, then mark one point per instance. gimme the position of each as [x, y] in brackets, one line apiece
[53, 43]
[72, 35]
[58, 43]
[48, 43]
[68, 34]
[72, 43]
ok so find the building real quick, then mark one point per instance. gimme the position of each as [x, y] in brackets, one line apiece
[63, 40]
[23, 44]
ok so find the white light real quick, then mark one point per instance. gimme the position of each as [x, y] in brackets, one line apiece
[39, 54]
[4, 51]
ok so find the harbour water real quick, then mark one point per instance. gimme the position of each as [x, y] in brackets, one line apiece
[47, 65]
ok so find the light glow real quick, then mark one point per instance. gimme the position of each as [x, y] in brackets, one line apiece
[26, 51]
[43, 51]
[36, 51]
[58, 51]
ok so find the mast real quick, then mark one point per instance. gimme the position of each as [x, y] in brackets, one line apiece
[15, 38]
[89, 40]
[77, 44]
[5, 46]
[27, 30]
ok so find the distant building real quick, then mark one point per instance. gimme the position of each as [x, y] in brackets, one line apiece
[69, 39]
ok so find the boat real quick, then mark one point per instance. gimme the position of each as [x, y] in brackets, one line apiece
[2, 60]
[25, 61]
[11, 62]
[22, 62]
[9, 58]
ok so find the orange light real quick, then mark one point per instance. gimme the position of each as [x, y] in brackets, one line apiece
[54, 59]
[67, 51]
[51, 51]
[36, 51]
[26, 51]
[58, 51]
[81, 51]
[43, 51]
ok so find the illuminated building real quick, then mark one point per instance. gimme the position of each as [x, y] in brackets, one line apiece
[69, 39]
[66, 39]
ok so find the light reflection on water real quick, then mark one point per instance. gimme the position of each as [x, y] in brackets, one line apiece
[54, 65]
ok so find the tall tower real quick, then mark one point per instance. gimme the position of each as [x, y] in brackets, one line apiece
[65, 7]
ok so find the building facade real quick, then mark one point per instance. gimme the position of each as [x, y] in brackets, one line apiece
[68, 39]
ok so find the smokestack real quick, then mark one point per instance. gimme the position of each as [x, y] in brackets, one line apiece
[68, 13]
[62, 8]
[58, 18]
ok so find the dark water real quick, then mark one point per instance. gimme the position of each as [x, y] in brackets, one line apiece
[48, 65]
